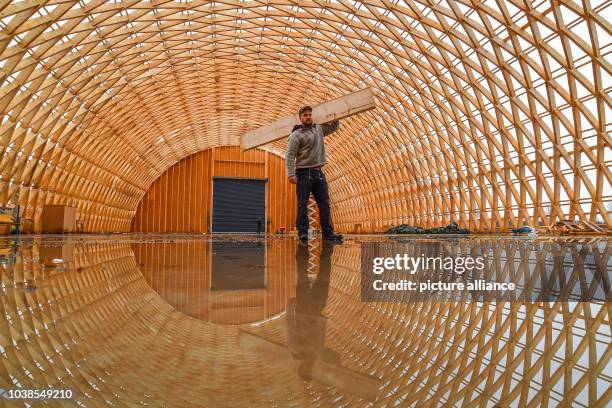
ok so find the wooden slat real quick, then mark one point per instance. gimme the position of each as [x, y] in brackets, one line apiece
[339, 108]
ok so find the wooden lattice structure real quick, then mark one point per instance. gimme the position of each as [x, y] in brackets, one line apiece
[492, 113]
[92, 324]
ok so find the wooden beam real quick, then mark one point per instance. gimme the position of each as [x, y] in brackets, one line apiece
[339, 108]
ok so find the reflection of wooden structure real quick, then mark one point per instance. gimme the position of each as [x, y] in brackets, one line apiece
[62, 253]
[99, 319]
[186, 284]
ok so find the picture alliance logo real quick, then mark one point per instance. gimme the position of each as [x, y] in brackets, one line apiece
[412, 265]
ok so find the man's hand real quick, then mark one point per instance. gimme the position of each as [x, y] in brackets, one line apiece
[330, 127]
[293, 179]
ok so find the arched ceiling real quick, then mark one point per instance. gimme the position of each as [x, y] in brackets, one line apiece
[490, 113]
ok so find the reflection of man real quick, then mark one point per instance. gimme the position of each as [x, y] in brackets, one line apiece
[305, 322]
[306, 351]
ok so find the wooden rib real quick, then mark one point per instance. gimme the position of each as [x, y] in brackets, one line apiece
[339, 108]
[490, 114]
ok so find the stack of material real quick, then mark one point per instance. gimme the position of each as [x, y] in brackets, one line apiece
[452, 228]
[577, 227]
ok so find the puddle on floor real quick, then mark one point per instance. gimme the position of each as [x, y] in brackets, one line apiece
[236, 320]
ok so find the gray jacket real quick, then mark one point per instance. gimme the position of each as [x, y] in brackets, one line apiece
[306, 147]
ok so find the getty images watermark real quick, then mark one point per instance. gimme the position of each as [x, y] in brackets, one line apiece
[481, 270]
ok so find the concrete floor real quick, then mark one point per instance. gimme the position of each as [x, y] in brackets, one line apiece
[243, 320]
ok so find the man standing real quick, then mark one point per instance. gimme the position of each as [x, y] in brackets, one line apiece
[304, 158]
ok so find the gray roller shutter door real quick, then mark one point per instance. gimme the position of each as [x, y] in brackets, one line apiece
[237, 204]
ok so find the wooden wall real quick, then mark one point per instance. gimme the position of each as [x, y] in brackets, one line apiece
[180, 272]
[181, 199]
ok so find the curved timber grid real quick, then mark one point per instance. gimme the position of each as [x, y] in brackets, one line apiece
[489, 113]
[96, 327]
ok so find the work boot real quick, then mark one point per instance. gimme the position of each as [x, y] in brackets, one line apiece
[333, 237]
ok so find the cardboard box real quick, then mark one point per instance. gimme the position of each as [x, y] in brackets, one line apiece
[58, 218]
[5, 229]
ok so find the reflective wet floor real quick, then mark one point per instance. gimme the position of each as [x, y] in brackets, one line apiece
[235, 320]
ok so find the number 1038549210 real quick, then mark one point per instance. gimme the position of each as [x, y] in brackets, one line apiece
[42, 394]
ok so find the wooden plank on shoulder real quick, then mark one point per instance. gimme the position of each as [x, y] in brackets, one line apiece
[335, 109]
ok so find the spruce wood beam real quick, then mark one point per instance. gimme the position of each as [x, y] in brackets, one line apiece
[339, 108]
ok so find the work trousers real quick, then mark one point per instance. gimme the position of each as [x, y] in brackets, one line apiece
[312, 181]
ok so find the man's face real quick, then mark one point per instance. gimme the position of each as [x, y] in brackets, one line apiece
[306, 118]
